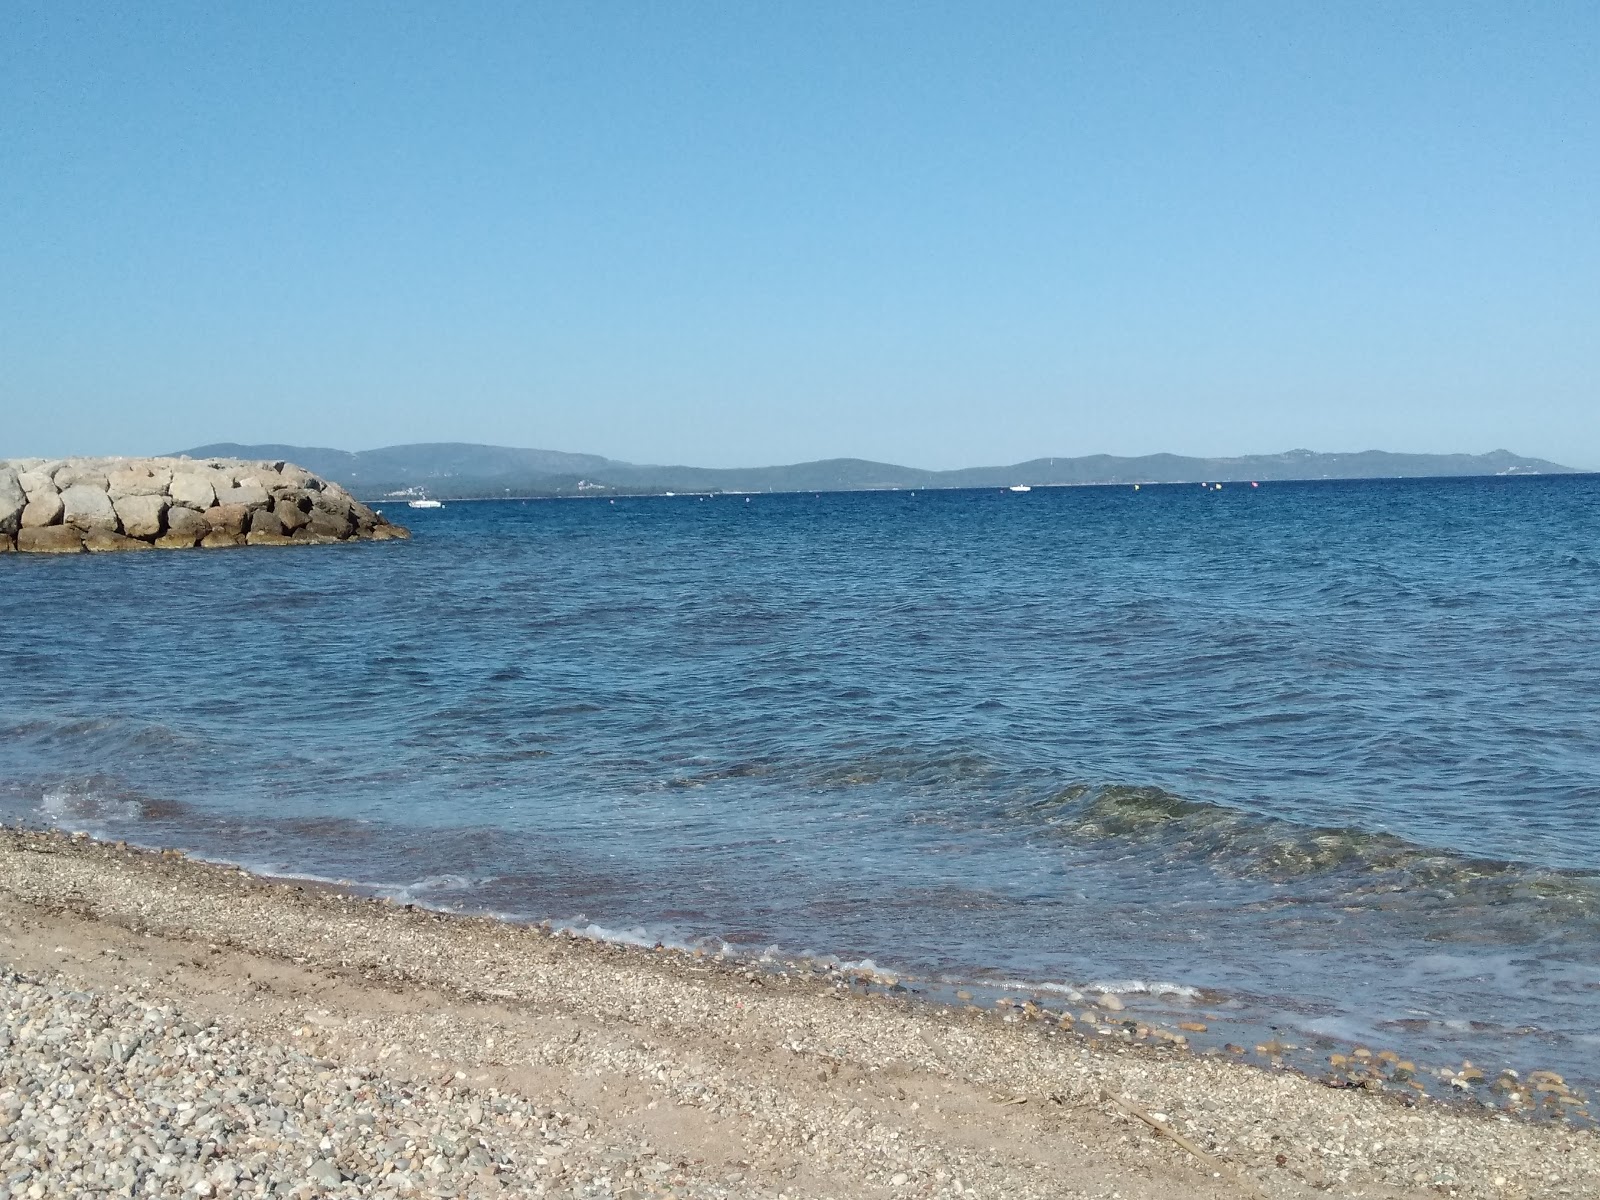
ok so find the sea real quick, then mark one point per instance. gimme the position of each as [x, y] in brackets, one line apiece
[1312, 762]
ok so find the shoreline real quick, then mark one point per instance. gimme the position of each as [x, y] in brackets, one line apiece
[791, 1078]
[1137, 1013]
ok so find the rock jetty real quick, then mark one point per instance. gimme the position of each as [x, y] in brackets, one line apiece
[67, 506]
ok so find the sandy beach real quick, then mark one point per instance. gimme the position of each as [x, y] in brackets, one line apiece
[177, 1028]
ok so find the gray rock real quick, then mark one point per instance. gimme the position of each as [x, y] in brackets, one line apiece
[73, 475]
[326, 525]
[50, 539]
[44, 509]
[265, 521]
[227, 518]
[141, 515]
[332, 500]
[186, 523]
[100, 540]
[37, 483]
[299, 478]
[247, 495]
[88, 507]
[289, 511]
[324, 1174]
[219, 540]
[12, 501]
[192, 490]
[140, 480]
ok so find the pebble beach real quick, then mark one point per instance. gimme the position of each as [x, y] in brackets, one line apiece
[173, 1028]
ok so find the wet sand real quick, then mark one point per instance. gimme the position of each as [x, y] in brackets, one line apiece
[368, 1049]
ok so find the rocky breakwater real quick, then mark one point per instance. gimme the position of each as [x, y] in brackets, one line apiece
[66, 506]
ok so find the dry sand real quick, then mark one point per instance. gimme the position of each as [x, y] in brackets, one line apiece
[174, 1028]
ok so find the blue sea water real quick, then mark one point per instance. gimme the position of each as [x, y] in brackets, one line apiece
[1321, 757]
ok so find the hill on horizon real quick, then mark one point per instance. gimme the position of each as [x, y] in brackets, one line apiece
[460, 470]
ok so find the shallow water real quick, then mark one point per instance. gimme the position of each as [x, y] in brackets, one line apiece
[1328, 752]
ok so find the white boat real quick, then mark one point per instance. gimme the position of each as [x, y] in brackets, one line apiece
[1019, 487]
[425, 504]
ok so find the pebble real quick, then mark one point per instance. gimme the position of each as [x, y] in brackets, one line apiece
[97, 1078]
[102, 1095]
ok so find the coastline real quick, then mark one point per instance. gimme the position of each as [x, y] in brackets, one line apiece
[669, 1073]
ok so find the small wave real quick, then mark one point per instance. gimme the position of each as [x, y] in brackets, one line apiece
[1361, 867]
[101, 735]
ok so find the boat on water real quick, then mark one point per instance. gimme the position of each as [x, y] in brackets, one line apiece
[1020, 487]
[425, 504]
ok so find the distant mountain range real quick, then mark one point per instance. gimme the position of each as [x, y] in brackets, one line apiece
[454, 470]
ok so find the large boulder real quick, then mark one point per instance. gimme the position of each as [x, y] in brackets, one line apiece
[249, 495]
[88, 507]
[192, 490]
[86, 473]
[50, 539]
[227, 518]
[138, 480]
[12, 501]
[265, 521]
[324, 524]
[45, 508]
[37, 483]
[100, 541]
[141, 515]
[333, 500]
[185, 527]
[300, 478]
[290, 510]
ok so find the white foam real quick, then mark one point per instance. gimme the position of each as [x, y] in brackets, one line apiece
[1022, 985]
[70, 805]
[1133, 987]
[1123, 987]
[600, 933]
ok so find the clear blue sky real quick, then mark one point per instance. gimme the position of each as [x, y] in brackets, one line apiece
[741, 233]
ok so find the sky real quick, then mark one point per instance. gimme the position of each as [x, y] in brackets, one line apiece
[737, 234]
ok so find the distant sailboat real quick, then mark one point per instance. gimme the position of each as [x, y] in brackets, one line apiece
[1019, 487]
[425, 504]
